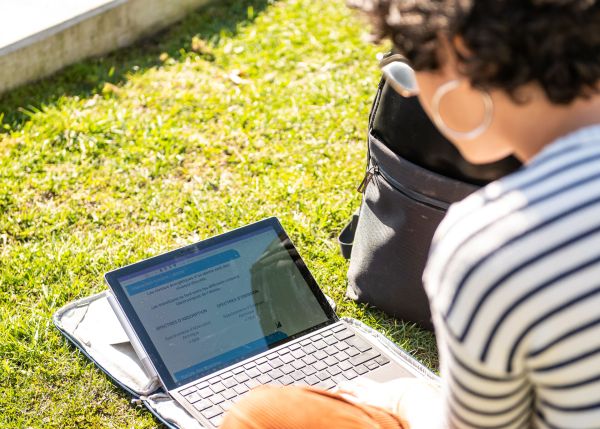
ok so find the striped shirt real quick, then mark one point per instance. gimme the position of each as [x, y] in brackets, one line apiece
[514, 285]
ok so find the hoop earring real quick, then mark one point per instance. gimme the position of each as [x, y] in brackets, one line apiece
[443, 90]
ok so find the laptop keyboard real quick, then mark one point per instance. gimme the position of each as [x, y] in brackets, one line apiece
[323, 360]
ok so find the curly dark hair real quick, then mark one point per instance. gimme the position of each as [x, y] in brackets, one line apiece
[555, 43]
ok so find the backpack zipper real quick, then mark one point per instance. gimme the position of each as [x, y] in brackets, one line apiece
[368, 177]
[423, 199]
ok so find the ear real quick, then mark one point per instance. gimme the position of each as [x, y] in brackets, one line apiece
[460, 47]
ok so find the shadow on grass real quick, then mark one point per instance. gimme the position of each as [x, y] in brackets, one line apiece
[88, 77]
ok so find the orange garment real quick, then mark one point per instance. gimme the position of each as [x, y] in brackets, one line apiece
[270, 407]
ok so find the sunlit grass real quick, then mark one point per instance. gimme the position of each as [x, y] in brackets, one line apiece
[242, 111]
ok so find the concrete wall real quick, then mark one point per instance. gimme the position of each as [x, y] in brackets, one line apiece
[98, 32]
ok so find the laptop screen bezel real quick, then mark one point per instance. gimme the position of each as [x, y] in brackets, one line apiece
[112, 279]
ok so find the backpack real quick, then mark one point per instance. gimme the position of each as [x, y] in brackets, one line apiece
[413, 174]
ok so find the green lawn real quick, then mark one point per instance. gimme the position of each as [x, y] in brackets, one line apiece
[245, 109]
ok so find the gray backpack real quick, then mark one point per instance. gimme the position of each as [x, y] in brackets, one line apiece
[413, 175]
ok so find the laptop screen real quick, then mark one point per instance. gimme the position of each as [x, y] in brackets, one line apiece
[204, 307]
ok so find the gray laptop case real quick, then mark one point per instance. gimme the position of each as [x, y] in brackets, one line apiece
[92, 326]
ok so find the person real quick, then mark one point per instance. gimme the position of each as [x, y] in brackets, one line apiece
[513, 276]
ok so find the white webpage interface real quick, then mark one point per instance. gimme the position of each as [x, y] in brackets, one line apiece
[215, 307]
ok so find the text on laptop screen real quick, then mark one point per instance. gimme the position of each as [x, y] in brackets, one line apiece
[211, 308]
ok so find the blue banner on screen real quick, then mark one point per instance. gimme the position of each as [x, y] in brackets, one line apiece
[179, 273]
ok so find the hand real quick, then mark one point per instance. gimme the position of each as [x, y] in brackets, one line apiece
[416, 401]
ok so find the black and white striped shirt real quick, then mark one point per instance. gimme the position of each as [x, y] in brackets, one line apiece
[514, 285]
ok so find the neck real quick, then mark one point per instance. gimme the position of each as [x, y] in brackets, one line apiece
[529, 127]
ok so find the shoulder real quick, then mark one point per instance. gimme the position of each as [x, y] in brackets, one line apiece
[498, 254]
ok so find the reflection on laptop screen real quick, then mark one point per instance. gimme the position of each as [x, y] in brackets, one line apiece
[211, 308]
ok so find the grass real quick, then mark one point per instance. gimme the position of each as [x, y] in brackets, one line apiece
[244, 110]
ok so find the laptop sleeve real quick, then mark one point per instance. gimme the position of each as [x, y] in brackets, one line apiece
[91, 325]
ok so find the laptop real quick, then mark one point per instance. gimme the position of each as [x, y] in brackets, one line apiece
[217, 318]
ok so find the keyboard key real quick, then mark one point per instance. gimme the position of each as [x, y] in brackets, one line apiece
[329, 361]
[334, 370]
[309, 370]
[350, 374]
[261, 360]
[286, 369]
[217, 399]
[326, 333]
[339, 379]
[364, 357]
[276, 363]
[229, 393]
[252, 383]
[295, 346]
[264, 367]
[320, 344]
[250, 365]
[309, 360]
[206, 392]
[237, 370]
[272, 356]
[308, 349]
[287, 358]
[275, 374]
[298, 354]
[340, 356]
[320, 366]
[202, 385]
[352, 351]
[320, 355]
[326, 384]
[216, 421]
[253, 372]
[341, 336]
[316, 337]
[213, 411]
[241, 388]
[312, 380]
[297, 375]
[330, 340]
[217, 387]
[286, 380]
[338, 328]
[323, 375]
[345, 365]
[298, 364]
[203, 405]
[188, 390]
[361, 369]
[330, 350]
[305, 342]
[341, 345]
[214, 380]
[264, 379]
[372, 364]
[359, 343]
[240, 378]
[193, 397]
[226, 375]
[229, 382]
[382, 360]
